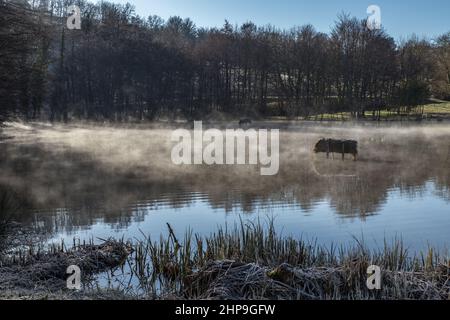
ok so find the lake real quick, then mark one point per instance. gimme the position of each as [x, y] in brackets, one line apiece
[95, 182]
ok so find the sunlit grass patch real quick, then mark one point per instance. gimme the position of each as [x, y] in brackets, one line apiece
[434, 108]
[438, 108]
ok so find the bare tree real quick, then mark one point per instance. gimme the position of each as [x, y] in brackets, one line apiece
[121, 67]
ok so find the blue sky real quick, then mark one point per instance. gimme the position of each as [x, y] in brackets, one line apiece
[400, 17]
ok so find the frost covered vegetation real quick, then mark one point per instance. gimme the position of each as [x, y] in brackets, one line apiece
[249, 261]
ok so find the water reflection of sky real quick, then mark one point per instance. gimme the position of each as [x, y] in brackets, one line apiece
[100, 182]
[420, 220]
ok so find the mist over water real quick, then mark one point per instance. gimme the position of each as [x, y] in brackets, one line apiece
[90, 181]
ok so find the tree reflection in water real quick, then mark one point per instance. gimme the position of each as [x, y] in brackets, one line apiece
[72, 177]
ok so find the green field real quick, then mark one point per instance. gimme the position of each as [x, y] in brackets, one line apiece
[436, 109]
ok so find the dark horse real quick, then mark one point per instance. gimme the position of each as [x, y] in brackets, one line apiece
[245, 122]
[337, 146]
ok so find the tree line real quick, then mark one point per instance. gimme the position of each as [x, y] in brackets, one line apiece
[122, 67]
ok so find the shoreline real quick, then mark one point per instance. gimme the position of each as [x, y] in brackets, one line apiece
[249, 262]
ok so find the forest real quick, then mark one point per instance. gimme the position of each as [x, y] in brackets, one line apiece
[123, 67]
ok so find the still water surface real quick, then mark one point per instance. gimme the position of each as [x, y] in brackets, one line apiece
[100, 182]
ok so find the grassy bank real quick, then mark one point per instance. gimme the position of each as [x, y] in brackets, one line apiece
[248, 261]
[436, 110]
[251, 261]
